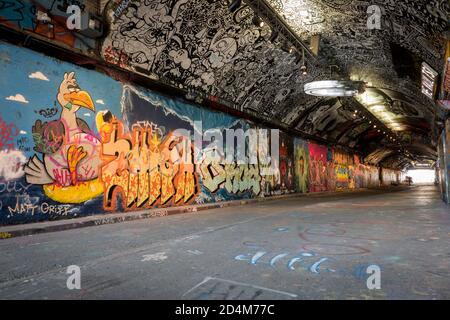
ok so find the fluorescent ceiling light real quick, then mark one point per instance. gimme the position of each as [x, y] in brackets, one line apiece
[378, 108]
[369, 99]
[334, 88]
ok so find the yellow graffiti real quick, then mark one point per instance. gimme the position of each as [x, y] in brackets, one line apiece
[235, 177]
[80, 193]
[145, 169]
[301, 167]
[5, 235]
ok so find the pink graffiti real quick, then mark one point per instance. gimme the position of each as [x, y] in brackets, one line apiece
[7, 134]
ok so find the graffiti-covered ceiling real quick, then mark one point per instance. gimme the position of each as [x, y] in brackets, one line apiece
[204, 46]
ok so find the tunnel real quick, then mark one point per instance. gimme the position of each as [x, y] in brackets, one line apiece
[224, 150]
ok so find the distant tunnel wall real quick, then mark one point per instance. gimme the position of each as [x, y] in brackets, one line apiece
[390, 176]
[112, 147]
[443, 162]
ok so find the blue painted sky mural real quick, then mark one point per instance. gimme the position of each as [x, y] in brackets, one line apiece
[32, 84]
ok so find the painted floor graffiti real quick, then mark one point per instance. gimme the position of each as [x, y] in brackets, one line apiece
[314, 247]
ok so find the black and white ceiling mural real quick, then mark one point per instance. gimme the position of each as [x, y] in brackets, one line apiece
[201, 45]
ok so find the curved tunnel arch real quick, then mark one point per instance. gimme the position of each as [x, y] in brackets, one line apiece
[201, 45]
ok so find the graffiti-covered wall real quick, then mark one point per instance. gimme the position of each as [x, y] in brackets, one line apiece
[330, 170]
[48, 18]
[74, 142]
[444, 162]
[390, 176]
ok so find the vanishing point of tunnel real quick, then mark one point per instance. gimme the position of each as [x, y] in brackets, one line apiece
[224, 150]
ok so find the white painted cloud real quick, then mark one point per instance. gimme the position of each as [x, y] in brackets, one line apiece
[38, 75]
[23, 132]
[87, 114]
[11, 164]
[18, 97]
[100, 101]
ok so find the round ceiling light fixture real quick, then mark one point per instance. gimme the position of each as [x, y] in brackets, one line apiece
[334, 88]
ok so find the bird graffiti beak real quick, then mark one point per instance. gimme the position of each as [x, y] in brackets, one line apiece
[80, 98]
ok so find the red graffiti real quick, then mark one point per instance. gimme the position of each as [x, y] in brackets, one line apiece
[117, 57]
[7, 134]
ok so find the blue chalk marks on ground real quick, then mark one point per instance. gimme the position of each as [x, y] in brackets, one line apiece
[307, 261]
[282, 229]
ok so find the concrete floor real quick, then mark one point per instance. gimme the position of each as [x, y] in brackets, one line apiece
[314, 247]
